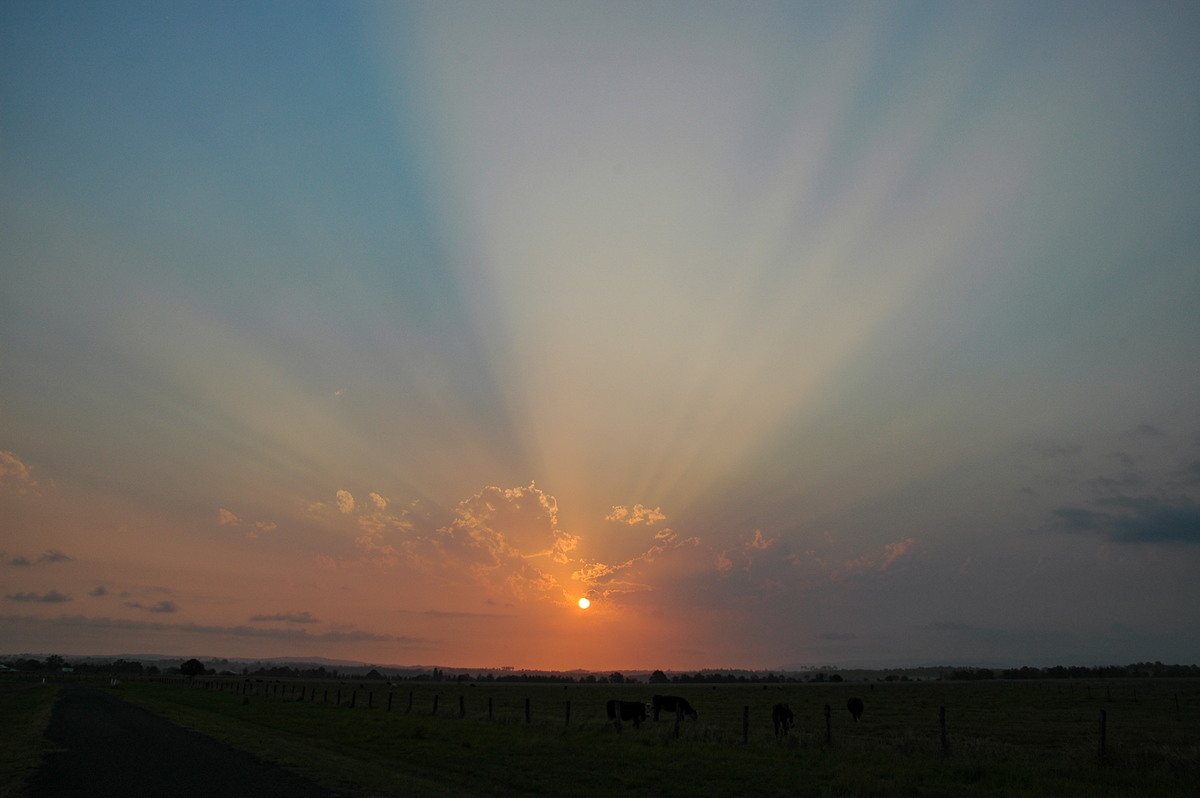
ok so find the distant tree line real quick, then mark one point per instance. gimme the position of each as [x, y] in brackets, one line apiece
[1138, 670]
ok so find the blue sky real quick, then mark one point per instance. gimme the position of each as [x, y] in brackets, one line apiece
[789, 333]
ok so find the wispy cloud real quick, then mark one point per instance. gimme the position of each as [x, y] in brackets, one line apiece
[1140, 520]
[49, 558]
[286, 617]
[338, 635]
[50, 597]
[158, 607]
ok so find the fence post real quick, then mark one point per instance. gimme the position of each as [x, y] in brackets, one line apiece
[462, 708]
[435, 702]
[370, 699]
[1103, 734]
[745, 725]
[389, 709]
[828, 725]
[942, 724]
[353, 698]
[409, 703]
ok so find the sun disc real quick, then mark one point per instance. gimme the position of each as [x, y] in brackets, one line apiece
[584, 603]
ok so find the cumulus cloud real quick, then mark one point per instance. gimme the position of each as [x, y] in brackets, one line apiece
[51, 597]
[379, 501]
[637, 514]
[506, 539]
[14, 474]
[345, 501]
[230, 519]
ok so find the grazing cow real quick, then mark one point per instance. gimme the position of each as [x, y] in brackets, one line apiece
[634, 711]
[673, 704]
[782, 716]
[855, 705]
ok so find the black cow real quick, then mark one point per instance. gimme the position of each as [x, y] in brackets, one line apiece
[783, 719]
[855, 705]
[634, 711]
[673, 704]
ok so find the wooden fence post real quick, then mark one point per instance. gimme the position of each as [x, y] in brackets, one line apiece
[745, 725]
[462, 707]
[370, 699]
[389, 709]
[828, 725]
[435, 703]
[353, 698]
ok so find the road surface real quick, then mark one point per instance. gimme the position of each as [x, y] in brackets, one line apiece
[101, 746]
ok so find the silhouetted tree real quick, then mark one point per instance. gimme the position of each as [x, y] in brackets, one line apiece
[193, 667]
[658, 677]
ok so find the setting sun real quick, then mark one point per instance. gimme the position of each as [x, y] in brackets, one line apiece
[584, 603]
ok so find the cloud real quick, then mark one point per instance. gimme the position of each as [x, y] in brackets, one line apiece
[52, 597]
[159, 607]
[49, 558]
[379, 501]
[339, 635]
[345, 501]
[1135, 520]
[505, 539]
[637, 514]
[98, 590]
[15, 474]
[228, 518]
[287, 617]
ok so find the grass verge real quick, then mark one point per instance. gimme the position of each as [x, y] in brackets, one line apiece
[25, 709]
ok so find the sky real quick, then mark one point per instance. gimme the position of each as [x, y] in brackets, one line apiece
[788, 334]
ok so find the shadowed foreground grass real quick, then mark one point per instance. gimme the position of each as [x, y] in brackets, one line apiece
[1015, 739]
[25, 708]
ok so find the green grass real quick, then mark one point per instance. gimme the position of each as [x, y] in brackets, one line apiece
[1004, 738]
[25, 709]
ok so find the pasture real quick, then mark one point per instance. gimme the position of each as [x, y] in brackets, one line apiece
[1001, 738]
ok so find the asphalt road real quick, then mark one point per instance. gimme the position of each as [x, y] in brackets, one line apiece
[103, 746]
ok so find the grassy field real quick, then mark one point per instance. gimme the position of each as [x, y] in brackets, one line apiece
[1003, 738]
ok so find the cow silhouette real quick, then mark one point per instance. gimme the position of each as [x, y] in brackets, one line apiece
[855, 705]
[673, 704]
[633, 711]
[781, 716]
